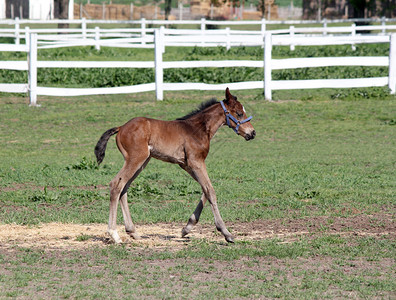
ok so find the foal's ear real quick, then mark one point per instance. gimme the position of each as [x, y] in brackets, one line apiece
[228, 94]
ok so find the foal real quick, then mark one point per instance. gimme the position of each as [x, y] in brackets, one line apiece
[185, 142]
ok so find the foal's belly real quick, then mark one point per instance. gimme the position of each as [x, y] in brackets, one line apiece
[167, 141]
[175, 156]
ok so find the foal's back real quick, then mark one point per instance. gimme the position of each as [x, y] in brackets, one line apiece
[163, 140]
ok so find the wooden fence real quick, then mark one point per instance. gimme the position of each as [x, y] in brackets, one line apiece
[163, 37]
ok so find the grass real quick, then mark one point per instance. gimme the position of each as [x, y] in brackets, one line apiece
[328, 153]
[268, 269]
[334, 153]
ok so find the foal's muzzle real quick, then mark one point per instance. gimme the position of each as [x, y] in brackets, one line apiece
[250, 136]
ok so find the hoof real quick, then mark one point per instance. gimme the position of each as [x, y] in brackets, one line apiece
[135, 236]
[184, 232]
[116, 241]
[114, 236]
[229, 239]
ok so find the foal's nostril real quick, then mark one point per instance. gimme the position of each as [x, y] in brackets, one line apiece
[251, 135]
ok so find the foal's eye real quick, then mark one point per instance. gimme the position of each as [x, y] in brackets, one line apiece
[239, 115]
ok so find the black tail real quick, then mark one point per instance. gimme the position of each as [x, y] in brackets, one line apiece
[100, 148]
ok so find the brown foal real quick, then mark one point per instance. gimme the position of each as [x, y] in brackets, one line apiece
[185, 142]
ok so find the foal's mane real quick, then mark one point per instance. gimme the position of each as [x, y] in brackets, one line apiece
[201, 107]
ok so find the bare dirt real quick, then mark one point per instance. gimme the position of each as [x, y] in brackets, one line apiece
[53, 236]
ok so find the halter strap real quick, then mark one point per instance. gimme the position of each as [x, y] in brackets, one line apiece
[235, 120]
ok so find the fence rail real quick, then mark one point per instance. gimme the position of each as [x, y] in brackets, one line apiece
[385, 26]
[135, 38]
[82, 21]
[161, 40]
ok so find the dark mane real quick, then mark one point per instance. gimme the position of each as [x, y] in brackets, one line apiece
[201, 107]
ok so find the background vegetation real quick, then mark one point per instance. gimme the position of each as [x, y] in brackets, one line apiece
[119, 77]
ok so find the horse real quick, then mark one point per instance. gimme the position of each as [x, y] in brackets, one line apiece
[184, 141]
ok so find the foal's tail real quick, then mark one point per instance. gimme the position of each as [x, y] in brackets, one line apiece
[100, 148]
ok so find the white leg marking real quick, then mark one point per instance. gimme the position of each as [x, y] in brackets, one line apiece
[114, 235]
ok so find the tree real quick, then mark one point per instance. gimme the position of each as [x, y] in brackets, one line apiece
[168, 6]
[361, 7]
[62, 11]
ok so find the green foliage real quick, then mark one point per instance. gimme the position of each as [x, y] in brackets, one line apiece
[144, 189]
[95, 77]
[84, 164]
[372, 93]
[84, 237]
[45, 196]
[108, 77]
[331, 51]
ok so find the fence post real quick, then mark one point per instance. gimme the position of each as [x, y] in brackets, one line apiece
[84, 28]
[383, 23]
[159, 72]
[263, 28]
[32, 84]
[27, 37]
[143, 26]
[228, 42]
[203, 27]
[392, 64]
[131, 12]
[17, 38]
[291, 31]
[180, 11]
[324, 26]
[353, 33]
[267, 66]
[97, 38]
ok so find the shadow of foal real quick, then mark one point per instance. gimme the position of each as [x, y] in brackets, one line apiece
[185, 142]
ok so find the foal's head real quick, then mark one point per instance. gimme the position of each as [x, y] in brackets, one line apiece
[236, 117]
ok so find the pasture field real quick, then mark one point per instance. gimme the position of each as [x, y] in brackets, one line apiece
[311, 201]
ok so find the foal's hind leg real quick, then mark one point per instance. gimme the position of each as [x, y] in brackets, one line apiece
[118, 189]
[129, 227]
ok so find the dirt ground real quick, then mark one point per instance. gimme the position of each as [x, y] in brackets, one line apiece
[53, 236]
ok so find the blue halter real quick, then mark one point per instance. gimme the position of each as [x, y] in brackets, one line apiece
[229, 116]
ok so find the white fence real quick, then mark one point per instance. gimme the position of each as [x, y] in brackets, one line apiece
[325, 27]
[293, 63]
[163, 38]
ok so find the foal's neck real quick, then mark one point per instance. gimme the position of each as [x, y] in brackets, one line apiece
[211, 119]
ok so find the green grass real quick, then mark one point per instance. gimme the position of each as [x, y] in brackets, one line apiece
[267, 269]
[335, 153]
[329, 153]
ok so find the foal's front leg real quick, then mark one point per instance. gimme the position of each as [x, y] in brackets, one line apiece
[194, 217]
[200, 174]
